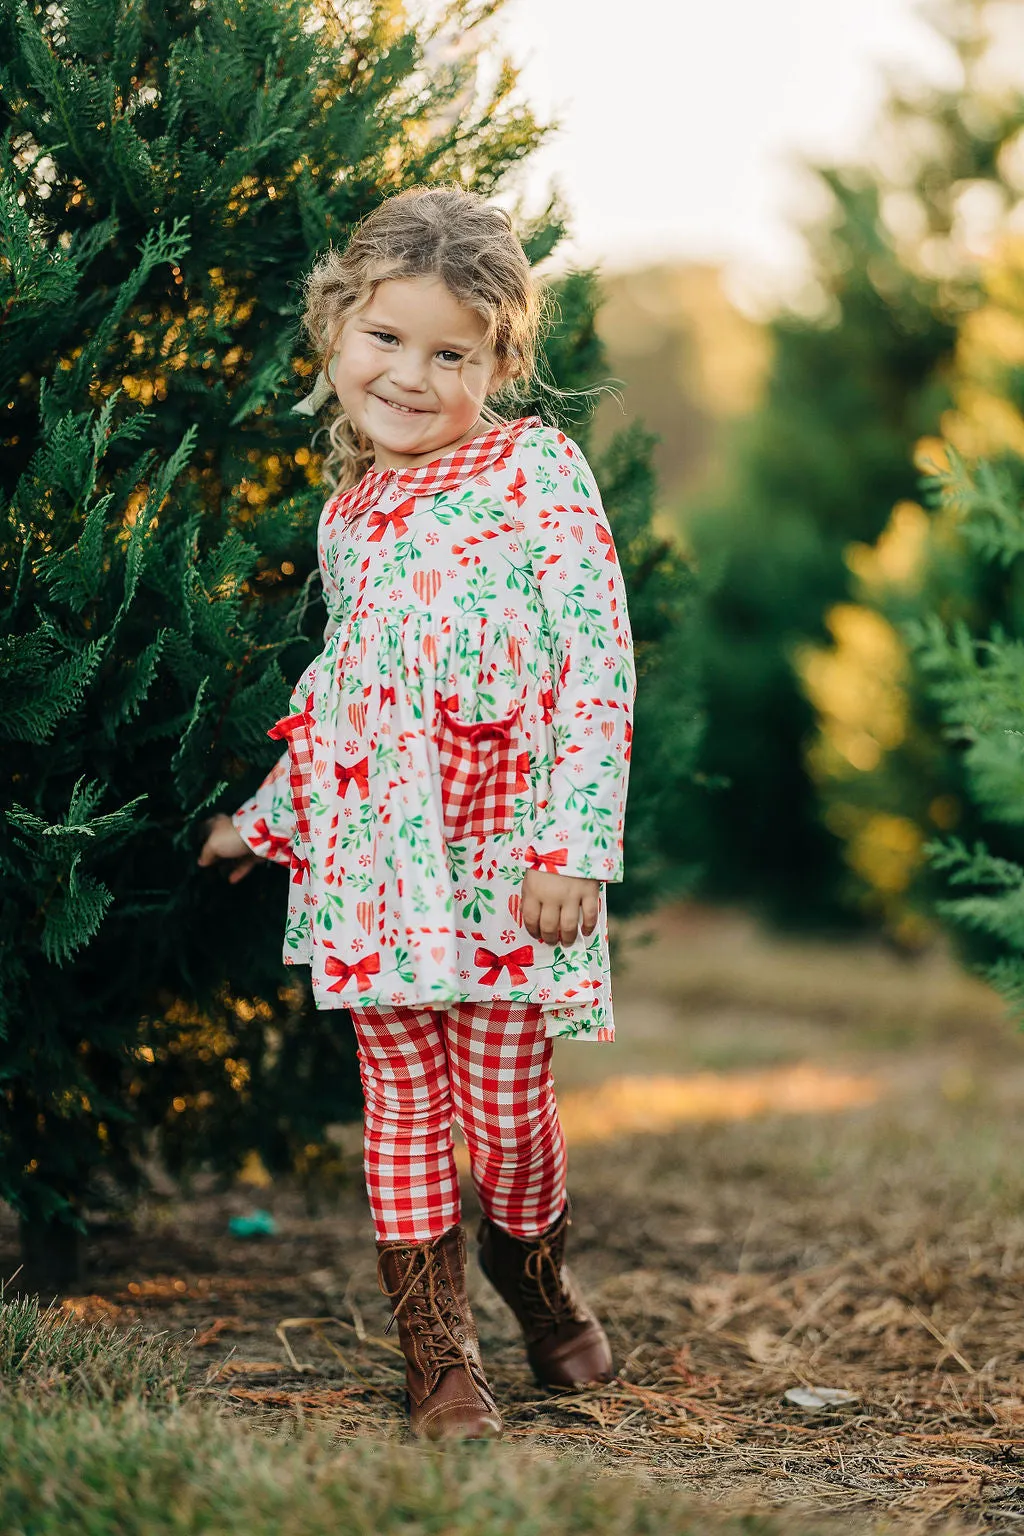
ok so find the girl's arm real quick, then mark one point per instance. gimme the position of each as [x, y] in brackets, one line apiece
[266, 822]
[557, 511]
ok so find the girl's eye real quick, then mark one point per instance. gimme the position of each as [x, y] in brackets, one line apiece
[450, 357]
[383, 336]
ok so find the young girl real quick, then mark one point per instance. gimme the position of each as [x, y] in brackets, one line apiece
[451, 801]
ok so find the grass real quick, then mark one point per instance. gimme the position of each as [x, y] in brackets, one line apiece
[129, 1472]
[49, 1353]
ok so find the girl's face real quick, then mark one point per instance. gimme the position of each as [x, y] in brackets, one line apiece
[412, 371]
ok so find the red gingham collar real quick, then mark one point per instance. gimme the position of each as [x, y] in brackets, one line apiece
[439, 475]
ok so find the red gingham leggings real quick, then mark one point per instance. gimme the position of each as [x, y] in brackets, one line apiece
[486, 1065]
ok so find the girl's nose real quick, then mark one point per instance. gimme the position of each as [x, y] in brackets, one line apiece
[408, 371]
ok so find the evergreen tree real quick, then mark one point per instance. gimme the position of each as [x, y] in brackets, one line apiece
[821, 465]
[975, 678]
[166, 175]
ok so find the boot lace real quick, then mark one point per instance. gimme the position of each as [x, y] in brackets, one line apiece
[431, 1312]
[545, 1300]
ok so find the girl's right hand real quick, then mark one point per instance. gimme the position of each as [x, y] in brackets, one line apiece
[223, 841]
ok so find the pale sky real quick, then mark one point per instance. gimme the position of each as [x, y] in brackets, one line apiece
[683, 119]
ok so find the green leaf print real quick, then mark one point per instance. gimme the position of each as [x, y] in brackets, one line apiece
[561, 966]
[481, 901]
[386, 761]
[574, 606]
[622, 678]
[480, 595]
[404, 965]
[296, 931]
[358, 831]
[458, 861]
[330, 902]
[395, 568]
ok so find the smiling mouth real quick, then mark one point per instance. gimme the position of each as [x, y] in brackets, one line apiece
[402, 410]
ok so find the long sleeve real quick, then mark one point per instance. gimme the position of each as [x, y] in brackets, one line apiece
[267, 821]
[559, 519]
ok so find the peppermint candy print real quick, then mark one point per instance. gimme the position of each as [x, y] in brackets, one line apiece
[469, 718]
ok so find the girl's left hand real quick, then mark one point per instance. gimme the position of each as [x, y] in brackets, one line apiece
[224, 842]
[553, 906]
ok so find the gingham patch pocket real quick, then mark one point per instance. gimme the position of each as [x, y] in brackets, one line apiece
[482, 771]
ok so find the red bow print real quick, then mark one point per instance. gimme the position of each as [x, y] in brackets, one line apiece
[353, 773]
[494, 964]
[300, 869]
[262, 833]
[362, 970]
[387, 695]
[551, 863]
[381, 521]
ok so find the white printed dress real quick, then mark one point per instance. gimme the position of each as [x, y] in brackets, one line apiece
[467, 719]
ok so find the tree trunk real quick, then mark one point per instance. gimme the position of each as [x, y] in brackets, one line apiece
[51, 1258]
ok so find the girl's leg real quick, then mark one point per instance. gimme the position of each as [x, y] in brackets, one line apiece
[414, 1197]
[499, 1062]
[409, 1159]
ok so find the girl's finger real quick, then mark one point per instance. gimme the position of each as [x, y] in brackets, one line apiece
[591, 911]
[242, 868]
[531, 916]
[550, 922]
[568, 923]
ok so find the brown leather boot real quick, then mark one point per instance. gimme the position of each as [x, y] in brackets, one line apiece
[449, 1398]
[565, 1344]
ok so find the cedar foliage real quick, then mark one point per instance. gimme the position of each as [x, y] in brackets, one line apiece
[972, 669]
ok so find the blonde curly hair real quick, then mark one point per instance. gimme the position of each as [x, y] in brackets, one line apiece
[443, 232]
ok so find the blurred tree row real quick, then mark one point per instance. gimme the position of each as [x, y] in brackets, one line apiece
[853, 390]
[166, 175]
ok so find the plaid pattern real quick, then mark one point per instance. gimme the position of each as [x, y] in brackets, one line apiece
[447, 474]
[479, 766]
[297, 731]
[486, 1065]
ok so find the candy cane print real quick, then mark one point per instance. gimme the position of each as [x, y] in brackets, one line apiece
[478, 538]
[332, 843]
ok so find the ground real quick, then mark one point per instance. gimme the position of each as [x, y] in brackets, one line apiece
[800, 1166]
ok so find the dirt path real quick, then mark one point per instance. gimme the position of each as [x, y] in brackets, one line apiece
[802, 1165]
